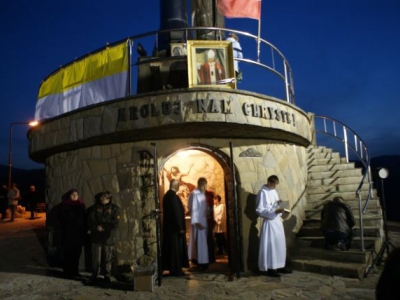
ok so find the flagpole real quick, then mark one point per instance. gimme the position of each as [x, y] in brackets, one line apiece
[259, 35]
[130, 44]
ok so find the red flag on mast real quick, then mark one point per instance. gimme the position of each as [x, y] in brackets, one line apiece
[240, 8]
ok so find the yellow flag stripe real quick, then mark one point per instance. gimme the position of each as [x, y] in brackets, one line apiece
[96, 91]
[105, 63]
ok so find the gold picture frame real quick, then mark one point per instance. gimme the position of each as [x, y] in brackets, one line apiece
[210, 64]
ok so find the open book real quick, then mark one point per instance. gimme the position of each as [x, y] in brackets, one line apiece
[285, 205]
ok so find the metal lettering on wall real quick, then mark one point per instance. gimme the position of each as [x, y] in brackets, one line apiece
[267, 112]
[146, 110]
[211, 106]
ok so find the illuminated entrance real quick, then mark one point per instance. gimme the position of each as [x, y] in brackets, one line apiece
[188, 166]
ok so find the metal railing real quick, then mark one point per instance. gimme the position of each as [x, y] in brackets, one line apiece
[269, 58]
[351, 141]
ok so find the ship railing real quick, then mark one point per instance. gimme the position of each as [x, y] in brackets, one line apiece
[258, 54]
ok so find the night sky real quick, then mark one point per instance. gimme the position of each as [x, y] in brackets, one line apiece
[344, 55]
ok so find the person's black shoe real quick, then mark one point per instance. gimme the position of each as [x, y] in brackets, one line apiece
[273, 273]
[91, 281]
[67, 276]
[77, 276]
[342, 247]
[195, 262]
[285, 271]
[203, 267]
[107, 279]
[177, 274]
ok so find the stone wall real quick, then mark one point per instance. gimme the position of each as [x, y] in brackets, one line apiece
[186, 114]
[108, 146]
[127, 171]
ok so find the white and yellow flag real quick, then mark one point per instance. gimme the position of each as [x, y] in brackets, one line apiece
[96, 78]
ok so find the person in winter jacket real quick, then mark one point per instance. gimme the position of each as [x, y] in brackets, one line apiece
[72, 222]
[33, 198]
[13, 197]
[103, 218]
[337, 221]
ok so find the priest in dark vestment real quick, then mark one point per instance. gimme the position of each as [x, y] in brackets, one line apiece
[174, 248]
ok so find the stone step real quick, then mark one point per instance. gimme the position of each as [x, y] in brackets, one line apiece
[336, 188]
[332, 167]
[368, 220]
[330, 195]
[370, 243]
[316, 220]
[321, 154]
[313, 149]
[329, 175]
[315, 231]
[369, 214]
[373, 203]
[335, 174]
[326, 267]
[315, 161]
[371, 210]
[350, 256]
[337, 180]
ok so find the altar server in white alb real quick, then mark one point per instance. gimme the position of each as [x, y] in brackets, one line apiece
[272, 252]
[197, 206]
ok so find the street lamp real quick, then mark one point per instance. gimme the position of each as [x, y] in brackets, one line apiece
[32, 124]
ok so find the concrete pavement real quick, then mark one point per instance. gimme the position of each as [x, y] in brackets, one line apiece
[25, 273]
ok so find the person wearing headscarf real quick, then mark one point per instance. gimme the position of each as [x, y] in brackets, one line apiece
[72, 219]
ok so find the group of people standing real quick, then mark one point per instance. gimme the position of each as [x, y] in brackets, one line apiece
[207, 215]
[272, 250]
[77, 226]
[9, 199]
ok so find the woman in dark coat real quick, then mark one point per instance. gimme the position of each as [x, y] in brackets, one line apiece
[72, 216]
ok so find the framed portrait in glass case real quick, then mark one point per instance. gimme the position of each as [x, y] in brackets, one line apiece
[210, 64]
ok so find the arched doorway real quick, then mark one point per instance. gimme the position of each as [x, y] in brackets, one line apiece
[187, 165]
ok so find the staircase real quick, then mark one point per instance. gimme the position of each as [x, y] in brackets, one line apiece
[329, 175]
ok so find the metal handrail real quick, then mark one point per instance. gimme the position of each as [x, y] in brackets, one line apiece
[277, 64]
[360, 150]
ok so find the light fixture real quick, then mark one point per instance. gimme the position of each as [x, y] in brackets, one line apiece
[383, 173]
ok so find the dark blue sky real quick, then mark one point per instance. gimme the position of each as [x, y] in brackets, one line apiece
[344, 55]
